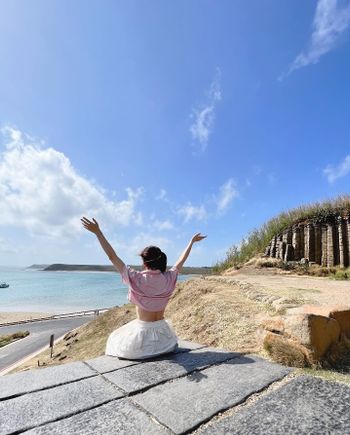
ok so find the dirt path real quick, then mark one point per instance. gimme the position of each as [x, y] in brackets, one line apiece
[321, 291]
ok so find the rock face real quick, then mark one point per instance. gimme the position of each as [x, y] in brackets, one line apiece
[305, 339]
[325, 243]
[315, 332]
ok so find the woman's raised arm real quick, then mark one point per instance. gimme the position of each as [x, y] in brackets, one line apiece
[183, 257]
[94, 228]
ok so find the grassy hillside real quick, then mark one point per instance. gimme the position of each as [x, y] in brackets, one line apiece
[258, 239]
[218, 311]
[200, 310]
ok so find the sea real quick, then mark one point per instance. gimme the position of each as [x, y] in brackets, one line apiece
[61, 292]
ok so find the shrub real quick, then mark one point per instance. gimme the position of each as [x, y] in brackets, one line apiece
[342, 274]
[7, 339]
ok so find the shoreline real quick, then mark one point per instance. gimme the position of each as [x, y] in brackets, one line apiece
[14, 316]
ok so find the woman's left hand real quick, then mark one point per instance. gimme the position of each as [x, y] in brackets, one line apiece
[197, 237]
[91, 226]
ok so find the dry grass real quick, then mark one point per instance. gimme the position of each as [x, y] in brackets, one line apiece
[201, 311]
[7, 339]
[336, 272]
[338, 356]
[265, 262]
[286, 351]
[336, 366]
[216, 315]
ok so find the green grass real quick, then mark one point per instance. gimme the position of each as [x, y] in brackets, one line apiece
[342, 274]
[258, 239]
[7, 339]
[328, 375]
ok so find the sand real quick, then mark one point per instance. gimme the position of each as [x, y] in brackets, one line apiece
[20, 315]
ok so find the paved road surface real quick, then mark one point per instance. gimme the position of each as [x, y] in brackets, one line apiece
[39, 337]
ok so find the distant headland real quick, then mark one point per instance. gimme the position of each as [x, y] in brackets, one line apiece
[106, 268]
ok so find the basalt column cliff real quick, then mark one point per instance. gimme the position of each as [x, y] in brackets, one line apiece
[325, 243]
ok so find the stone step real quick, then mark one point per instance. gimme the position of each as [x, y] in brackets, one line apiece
[116, 417]
[185, 403]
[305, 406]
[148, 374]
[33, 409]
[174, 393]
[39, 379]
[105, 363]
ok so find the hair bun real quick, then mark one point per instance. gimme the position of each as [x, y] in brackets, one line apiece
[154, 258]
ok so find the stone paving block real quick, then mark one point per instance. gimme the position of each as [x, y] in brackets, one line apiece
[116, 417]
[107, 363]
[31, 380]
[29, 410]
[184, 403]
[185, 346]
[140, 376]
[304, 406]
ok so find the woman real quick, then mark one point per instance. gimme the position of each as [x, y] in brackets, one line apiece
[150, 290]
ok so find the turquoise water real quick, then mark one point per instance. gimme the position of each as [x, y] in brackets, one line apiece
[59, 292]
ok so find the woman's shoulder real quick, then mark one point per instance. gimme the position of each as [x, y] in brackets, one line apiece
[172, 272]
[129, 274]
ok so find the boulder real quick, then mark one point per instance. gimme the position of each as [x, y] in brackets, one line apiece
[342, 316]
[302, 339]
[341, 313]
[315, 332]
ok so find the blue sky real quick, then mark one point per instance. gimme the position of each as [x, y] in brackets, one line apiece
[162, 119]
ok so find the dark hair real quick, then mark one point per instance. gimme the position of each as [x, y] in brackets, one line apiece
[154, 258]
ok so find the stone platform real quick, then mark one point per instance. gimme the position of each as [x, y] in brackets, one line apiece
[178, 393]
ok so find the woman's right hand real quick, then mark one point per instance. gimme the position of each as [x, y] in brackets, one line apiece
[197, 237]
[91, 226]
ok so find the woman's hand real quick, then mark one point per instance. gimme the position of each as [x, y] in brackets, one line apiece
[183, 257]
[197, 238]
[91, 226]
[94, 228]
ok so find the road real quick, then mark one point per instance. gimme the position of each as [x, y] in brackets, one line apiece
[39, 336]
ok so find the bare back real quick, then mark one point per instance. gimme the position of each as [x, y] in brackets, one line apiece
[149, 316]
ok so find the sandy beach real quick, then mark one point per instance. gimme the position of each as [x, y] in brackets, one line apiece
[20, 315]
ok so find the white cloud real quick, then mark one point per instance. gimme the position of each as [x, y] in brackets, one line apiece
[163, 225]
[42, 192]
[202, 126]
[334, 172]
[227, 193]
[129, 250]
[330, 21]
[204, 115]
[190, 211]
[162, 195]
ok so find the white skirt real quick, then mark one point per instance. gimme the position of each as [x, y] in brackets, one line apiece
[139, 340]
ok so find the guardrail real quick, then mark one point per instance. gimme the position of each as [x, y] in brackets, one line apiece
[95, 311]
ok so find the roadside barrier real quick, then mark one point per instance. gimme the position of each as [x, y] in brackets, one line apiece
[95, 311]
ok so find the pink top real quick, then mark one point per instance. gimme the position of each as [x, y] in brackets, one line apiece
[150, 289]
